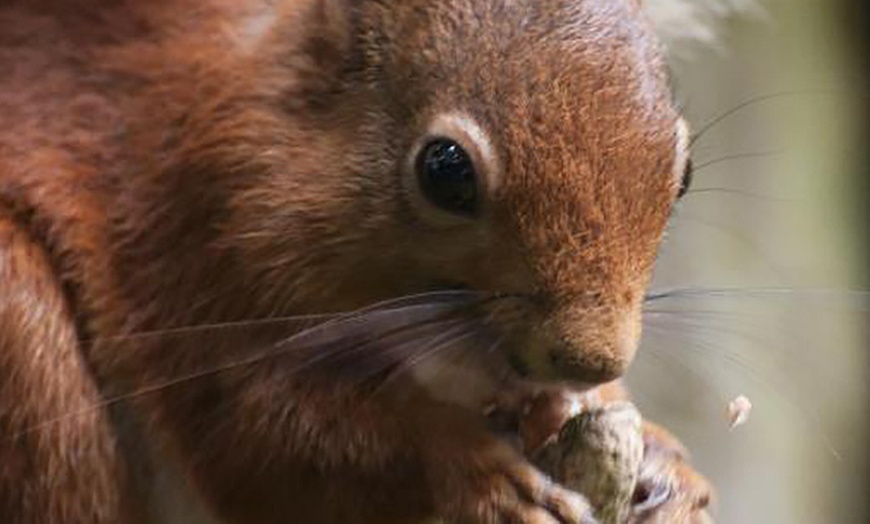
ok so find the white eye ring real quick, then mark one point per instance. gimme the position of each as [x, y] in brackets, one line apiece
[474, 140]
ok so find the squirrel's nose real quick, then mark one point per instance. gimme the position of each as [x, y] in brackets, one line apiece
[595, 354]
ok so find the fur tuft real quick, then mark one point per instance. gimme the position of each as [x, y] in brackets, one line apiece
[681, 22]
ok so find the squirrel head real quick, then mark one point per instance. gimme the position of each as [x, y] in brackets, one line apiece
[526, 148]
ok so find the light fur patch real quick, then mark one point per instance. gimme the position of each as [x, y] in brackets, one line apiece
[254, 26]
[681, 158]
[462, 382]
[680, 22]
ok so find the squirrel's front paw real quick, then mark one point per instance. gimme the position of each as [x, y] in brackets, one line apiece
[494, 484]
[669, 490]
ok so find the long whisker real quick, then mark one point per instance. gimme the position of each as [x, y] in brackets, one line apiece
[707, 327]
[775, 268]
[739, 156]
[861, 298]
[430, 296]
[435, 347]
[694, 312]
[735, 192]
[274, 351]
[753, 336]
[669, 361]
[409, 342]
[776, 383]
[704, 129]
[217, 326]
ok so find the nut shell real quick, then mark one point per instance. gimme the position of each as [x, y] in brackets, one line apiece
[597, 453]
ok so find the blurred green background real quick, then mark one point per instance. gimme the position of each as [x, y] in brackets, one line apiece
[781, 234]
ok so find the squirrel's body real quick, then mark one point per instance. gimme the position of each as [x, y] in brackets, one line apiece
[168, 164]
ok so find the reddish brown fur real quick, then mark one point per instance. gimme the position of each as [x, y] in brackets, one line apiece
[158, 169]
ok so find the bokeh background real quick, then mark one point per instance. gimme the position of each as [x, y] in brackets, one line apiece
[769, 254]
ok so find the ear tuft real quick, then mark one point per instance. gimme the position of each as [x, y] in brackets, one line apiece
[682, 22]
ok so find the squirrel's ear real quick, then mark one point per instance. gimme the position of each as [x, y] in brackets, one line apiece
[685, 21]
[334, 24]
[319, 35]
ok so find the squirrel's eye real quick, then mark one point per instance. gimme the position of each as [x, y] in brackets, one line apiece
[447, 177]
[686, 181]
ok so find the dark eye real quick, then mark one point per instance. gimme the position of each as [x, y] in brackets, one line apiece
[447, 177]
[686, 182]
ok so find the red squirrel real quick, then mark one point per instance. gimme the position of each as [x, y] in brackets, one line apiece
[177, 177]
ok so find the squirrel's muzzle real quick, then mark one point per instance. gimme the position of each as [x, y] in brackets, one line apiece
[584, 347]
